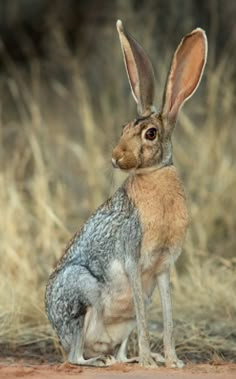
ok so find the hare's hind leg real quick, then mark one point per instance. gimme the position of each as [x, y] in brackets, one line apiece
[77, 346]
[77, 340]
[171, 358]
[72, 298]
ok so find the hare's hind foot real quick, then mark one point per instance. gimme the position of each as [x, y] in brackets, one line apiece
[100, 361]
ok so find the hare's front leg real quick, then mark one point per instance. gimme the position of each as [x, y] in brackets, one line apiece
[171, 358]
[145, 356]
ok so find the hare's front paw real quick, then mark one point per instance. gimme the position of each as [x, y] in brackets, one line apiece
[177, 363]
[174, 362]
[158, 358]
[146, 360]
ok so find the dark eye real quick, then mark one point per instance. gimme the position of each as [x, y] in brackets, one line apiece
[151, 134]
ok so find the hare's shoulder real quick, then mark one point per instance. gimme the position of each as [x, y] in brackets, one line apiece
[115, 221]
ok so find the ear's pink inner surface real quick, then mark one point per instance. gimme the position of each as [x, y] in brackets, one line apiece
[186, 70]
[130, 66]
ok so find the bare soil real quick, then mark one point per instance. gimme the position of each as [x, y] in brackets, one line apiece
[67, 371]
[42, 360]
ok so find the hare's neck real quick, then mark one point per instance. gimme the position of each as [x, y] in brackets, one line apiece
[157, 183]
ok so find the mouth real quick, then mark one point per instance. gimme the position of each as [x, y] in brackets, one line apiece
[125, 163]
[114, 163]
[125, 169]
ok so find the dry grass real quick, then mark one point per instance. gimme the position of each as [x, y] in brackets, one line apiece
[57, 131]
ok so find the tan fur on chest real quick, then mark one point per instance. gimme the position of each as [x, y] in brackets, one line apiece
[160, 199]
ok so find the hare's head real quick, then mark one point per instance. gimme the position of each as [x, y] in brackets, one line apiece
[146, 141]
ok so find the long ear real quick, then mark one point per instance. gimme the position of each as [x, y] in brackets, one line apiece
[185, 73]
[139, 70]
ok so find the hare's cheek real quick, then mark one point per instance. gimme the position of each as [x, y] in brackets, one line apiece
[151, 155]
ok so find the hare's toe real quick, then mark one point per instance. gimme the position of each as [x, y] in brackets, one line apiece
[174, 363]
[177, 364]
[109, 360]
[147, 361]
[144, 361]
[100, 361]
[158, 357]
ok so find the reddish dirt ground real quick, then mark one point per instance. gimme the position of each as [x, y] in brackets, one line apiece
[65, 371]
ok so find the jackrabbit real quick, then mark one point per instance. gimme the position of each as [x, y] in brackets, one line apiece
[100, 288]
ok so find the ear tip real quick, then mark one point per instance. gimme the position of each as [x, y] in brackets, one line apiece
[119, 26]
[202, 34]
[200, 31]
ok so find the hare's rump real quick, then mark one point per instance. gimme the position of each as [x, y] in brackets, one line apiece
[89, 290]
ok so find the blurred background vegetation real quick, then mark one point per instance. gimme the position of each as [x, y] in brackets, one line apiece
[63, 98]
